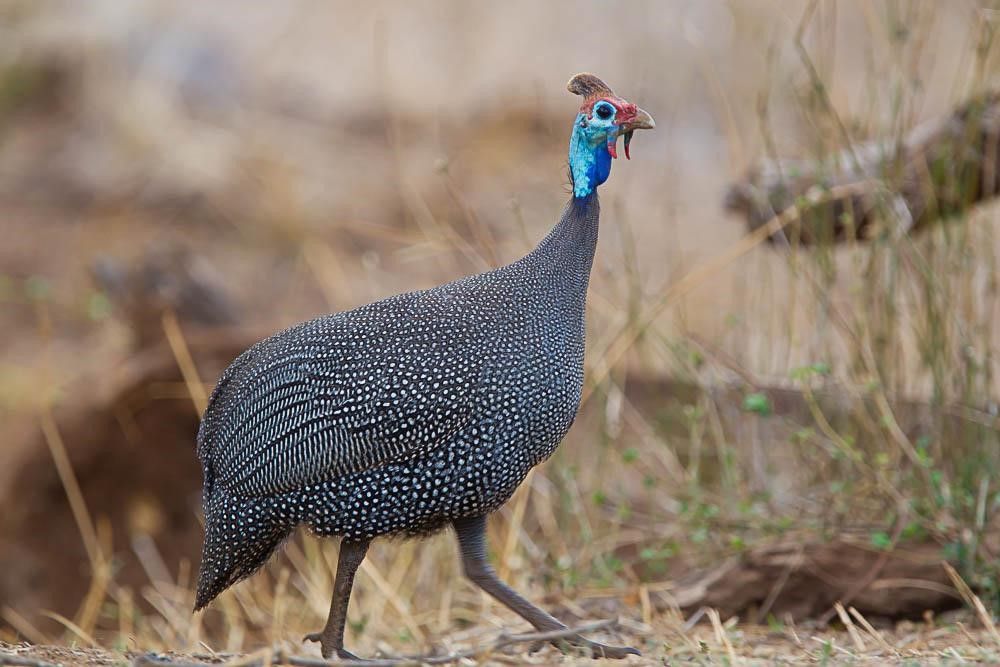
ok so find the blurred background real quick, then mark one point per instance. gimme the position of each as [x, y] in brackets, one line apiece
[767, 428]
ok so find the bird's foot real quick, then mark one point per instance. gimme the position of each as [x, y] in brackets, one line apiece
[596, 649]
[329, 651]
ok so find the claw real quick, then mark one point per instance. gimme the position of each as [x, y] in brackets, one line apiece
[612, 652]
[597, 650]
[342, 653]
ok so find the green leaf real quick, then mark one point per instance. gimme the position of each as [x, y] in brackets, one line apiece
[757, 402]
[820, 368]
[806, 372]
[881, 540]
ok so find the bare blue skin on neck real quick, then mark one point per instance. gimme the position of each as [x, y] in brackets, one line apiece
[589, 159]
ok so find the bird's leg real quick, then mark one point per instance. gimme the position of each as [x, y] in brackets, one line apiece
[331, 638]
[471, 534]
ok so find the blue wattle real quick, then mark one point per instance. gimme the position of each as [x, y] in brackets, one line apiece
[589, 160]
[602, 166]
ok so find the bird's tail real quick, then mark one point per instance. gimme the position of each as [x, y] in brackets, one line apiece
[240, 535]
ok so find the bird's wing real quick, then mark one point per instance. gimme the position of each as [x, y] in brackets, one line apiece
[338, 396]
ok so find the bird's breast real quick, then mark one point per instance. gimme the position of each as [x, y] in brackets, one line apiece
[532, 390]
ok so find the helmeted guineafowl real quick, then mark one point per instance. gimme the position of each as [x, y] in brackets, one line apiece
[417, 412]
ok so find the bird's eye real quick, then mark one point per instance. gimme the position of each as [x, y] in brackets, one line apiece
[604, 111]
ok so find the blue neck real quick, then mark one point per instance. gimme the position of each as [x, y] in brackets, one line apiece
[589, 159]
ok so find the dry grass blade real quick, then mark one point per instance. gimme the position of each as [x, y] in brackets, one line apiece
[859, 644]
[99, 566]
[870, 629]
[179, 346]
[645, 604]
[829, 646]
[72, 627]
[394, 599]
[78, 505]
[973, 601]
[720, 634]
[23, 626]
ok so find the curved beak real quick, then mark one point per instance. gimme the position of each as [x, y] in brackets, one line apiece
[640, 121]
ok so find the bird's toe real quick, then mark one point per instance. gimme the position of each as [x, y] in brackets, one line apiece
[598, 650]
[344, 654]
[612, 652]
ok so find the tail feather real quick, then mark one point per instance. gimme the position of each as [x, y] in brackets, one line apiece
[240, 537]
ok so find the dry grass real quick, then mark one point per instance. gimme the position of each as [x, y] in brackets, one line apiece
[668, 640]
[637, 494]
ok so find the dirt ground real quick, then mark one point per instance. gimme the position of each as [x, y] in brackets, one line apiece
[666, 641]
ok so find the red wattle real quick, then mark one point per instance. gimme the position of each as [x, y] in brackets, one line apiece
[627, 156]
[613, 149]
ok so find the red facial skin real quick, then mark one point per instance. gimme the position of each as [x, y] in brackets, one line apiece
[626, 112]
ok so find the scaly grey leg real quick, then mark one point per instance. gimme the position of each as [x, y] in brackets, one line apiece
[331, 638]
[471, 533]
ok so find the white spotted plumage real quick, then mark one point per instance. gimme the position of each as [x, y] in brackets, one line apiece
[401, 415]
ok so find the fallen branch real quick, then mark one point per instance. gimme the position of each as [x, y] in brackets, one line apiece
[278, 656]
[938, 171]
[815, 574]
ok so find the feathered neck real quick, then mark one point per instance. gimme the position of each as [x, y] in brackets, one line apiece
[569, 248]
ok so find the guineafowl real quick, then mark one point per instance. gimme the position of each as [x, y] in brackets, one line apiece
[415, 413]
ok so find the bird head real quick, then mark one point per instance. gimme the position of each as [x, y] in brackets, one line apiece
[603, 117]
